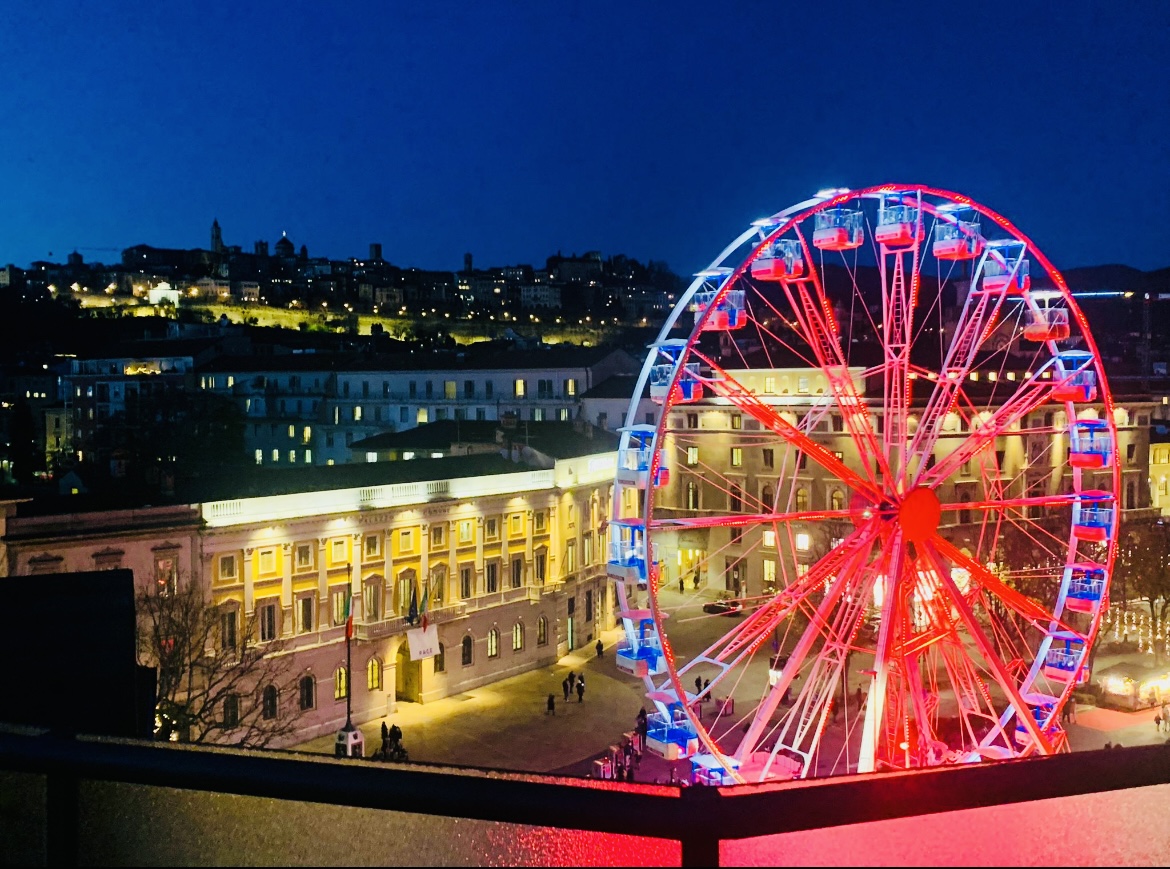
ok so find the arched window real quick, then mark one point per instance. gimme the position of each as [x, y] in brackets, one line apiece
[692, 495]
[441, 659]
[837, 500]
[735, 499]
[801, 499]
[269, 702]
[494, 643]
[542, 631]
[517, 637]
[374, 674]
[340, 683]
[768, 497]
[308, 691]
[467, 651]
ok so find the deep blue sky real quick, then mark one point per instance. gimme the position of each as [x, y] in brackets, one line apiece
[514, 129]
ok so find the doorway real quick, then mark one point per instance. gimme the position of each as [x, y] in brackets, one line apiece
[407, 675]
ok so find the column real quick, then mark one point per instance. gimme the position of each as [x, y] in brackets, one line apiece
[249, 583]
[355, 580]
[287, 621]
[322, 582]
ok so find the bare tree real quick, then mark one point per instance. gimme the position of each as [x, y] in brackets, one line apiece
[216, 682]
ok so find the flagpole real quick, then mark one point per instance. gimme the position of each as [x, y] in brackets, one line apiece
[349, 658]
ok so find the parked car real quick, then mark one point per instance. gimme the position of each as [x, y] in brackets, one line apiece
[725, 606]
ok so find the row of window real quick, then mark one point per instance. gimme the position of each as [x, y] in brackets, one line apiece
[465, 531]
[450, 388]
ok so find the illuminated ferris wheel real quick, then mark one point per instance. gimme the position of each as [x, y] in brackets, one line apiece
[874, 524]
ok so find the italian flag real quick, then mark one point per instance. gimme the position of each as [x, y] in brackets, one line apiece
[349, 616]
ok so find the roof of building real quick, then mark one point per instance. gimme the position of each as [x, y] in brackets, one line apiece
[618, 386]
[254, 482]
[557, 440]
[469, 358]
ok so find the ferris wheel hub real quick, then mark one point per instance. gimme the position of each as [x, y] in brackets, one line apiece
[919, 514]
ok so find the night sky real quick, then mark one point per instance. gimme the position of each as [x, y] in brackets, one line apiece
[516, 129]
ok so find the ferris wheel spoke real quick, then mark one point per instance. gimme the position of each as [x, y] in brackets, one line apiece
[749, 634]
[1012, 503]
[979, 314]
[740, 520]
[986, 651]
[1019, 603]
[728, 387]
[1032, 393]
[814, 631]
[899, 298]
[815, 318]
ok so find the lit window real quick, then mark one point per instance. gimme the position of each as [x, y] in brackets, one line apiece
[259, 457]
[357, 413]
[275, 454]
[493, 643]
[465, 531]
[227, 567]
[421, 416]
[340, 684]
[692, 456]
[769, 575]
[374, 675]
[292, 457]
[308, 457]
[517, 637]
[304, 556]
[405, 541]
[802, 541]
[292, 431]
[736, 457]
[519, 388]
[770, 539]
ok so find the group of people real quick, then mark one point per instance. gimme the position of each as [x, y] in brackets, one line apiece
[392, 748]
[1162, 718]
[573, 682]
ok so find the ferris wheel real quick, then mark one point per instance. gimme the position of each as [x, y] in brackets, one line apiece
[874, 522]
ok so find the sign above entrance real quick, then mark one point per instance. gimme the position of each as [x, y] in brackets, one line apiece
[424, 642]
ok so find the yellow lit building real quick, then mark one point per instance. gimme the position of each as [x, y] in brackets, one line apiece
[508, 555]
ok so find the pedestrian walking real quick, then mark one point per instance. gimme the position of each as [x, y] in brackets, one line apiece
[1158, 721]
[572, 680]
[552, 703]
[565, 688]
[858, 698]
[600, 648]
[682, 585]
[580, 689]
[698, 685]
[706, 686]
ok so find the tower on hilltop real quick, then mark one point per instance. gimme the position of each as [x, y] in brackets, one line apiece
[216, 237]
